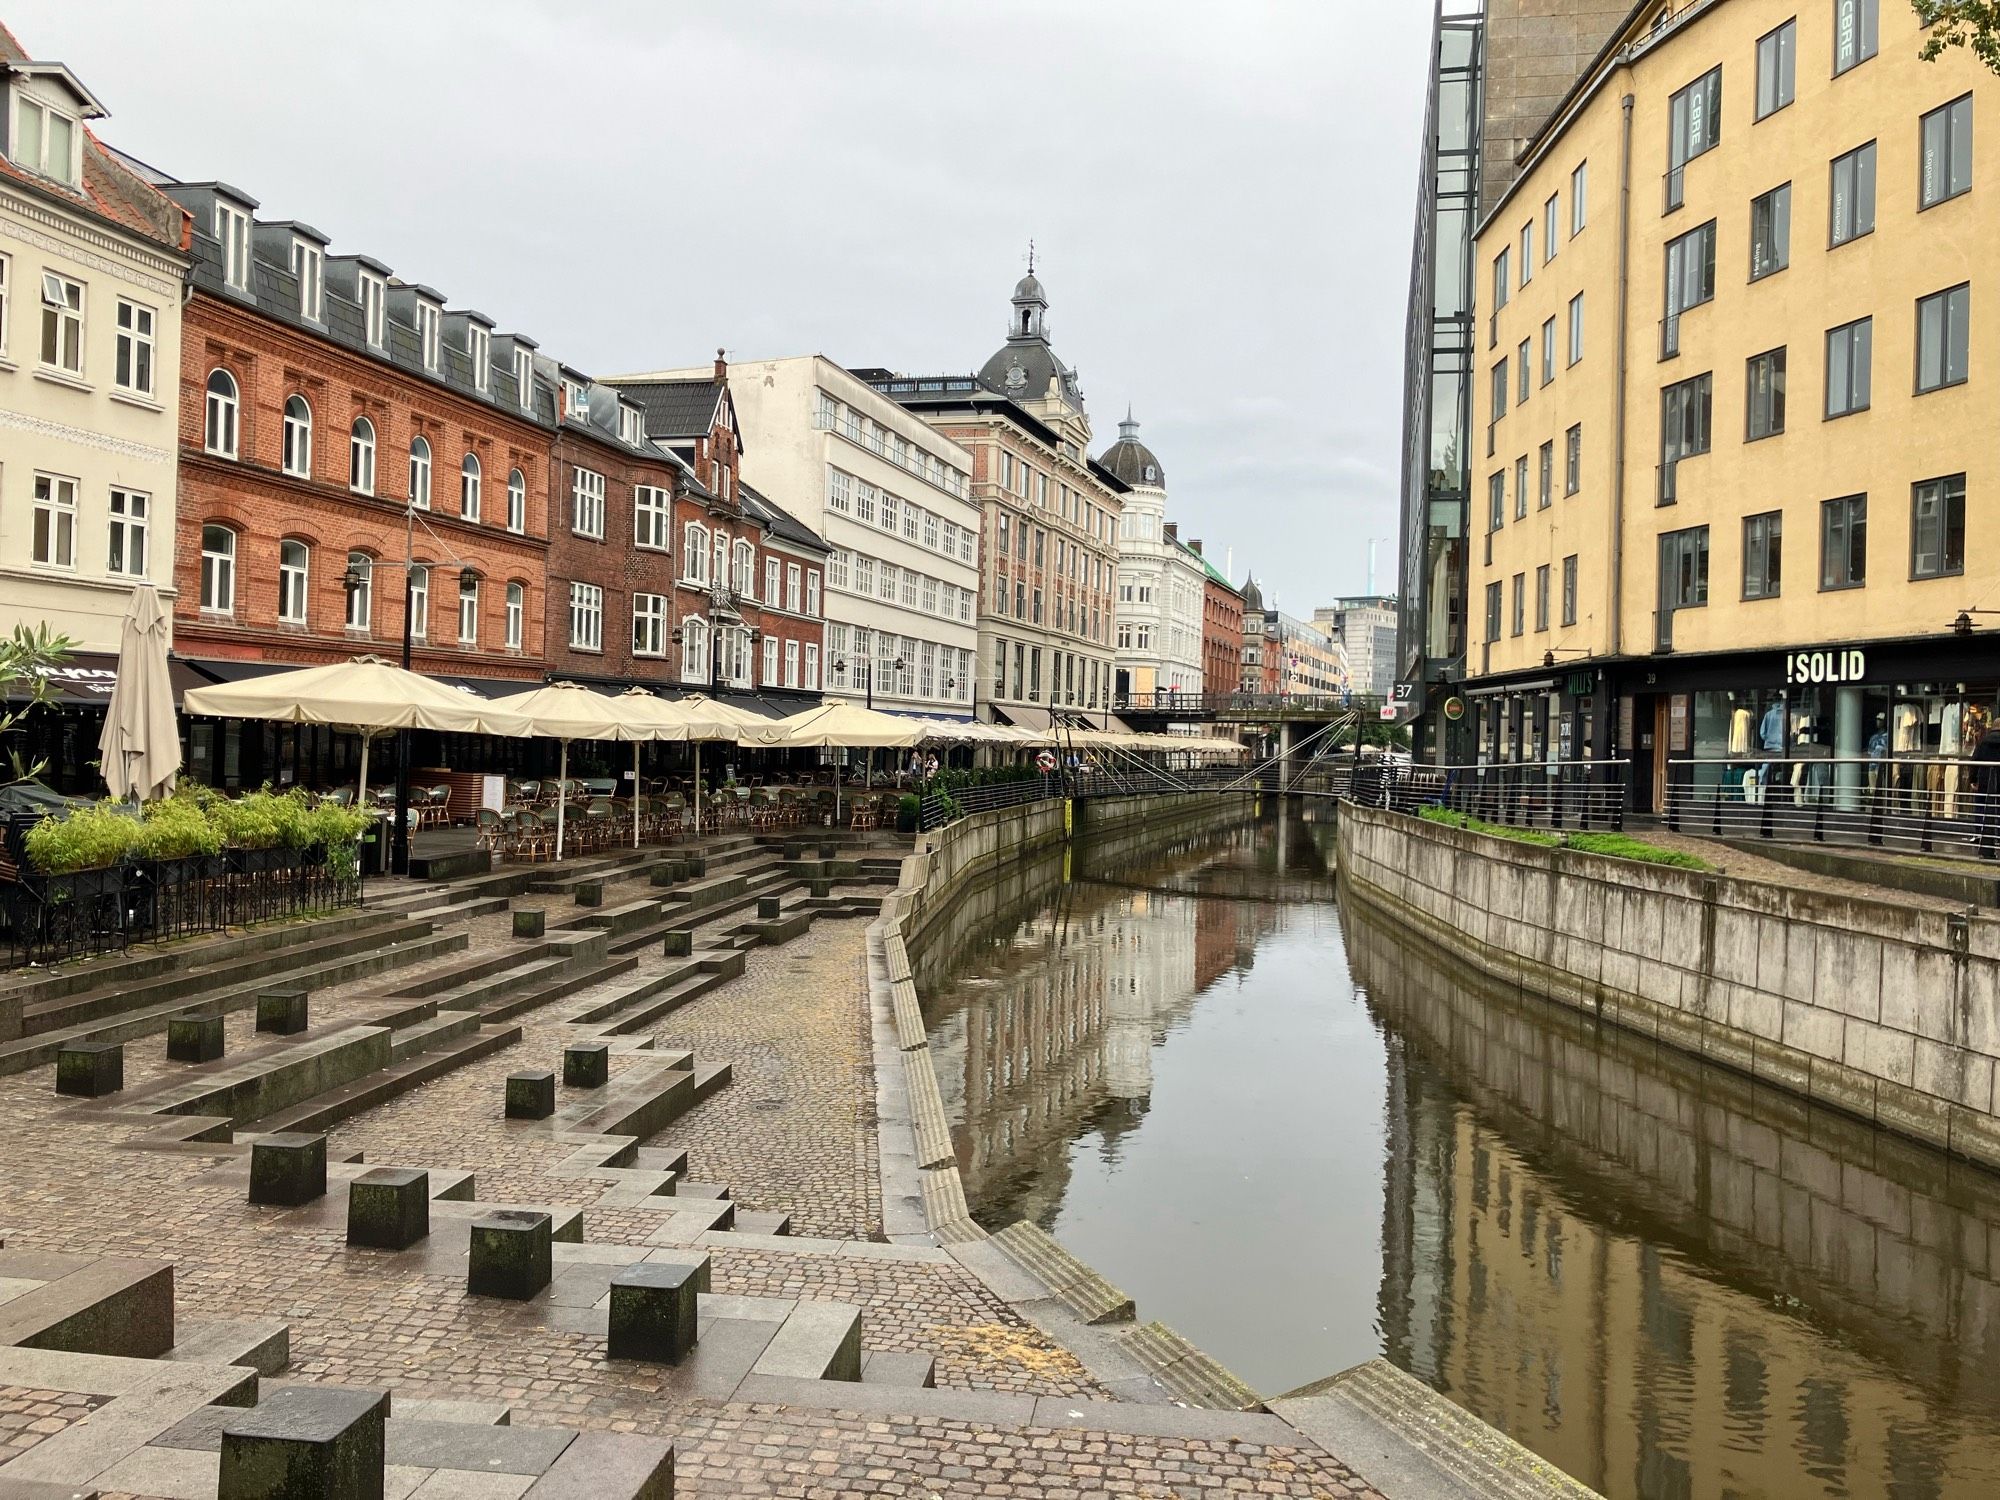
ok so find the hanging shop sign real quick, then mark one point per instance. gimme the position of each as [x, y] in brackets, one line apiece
[1804, 667]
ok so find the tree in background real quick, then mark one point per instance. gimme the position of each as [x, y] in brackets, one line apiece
[1961, 23]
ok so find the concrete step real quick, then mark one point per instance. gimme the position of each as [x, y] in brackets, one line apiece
[566, 981]
[904, 1371]
[1073, 1283]
[264, 1344]
[325, 1110]
[751, 1221]
[1189, 1375]
[251, 1089]
[817, 1341]
[442, 1027]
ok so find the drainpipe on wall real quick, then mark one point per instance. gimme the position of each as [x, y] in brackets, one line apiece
[1618, 425]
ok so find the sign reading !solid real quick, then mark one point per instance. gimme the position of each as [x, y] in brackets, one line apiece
[1802, 667]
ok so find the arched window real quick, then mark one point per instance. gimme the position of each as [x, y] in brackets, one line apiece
[420, 474]
[420, 602]
[468, 487]
[743, 569]
[361, 457]
[360, 592]
[294, 568]
[468, 608]
[298, 437]
[219, 431]
[694, 649]
[517, 502]
[218, 569]
[517, 610]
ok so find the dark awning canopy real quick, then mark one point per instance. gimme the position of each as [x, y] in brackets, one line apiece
[86, 678]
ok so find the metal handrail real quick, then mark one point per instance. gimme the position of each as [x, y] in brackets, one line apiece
[1924, 804]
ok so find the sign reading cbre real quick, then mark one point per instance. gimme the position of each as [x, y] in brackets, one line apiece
[1825, 666]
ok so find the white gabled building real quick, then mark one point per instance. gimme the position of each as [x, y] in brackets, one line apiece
[1162, 585]
[92, 260]
[893, 498]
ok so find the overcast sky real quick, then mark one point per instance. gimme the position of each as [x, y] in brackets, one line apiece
[1219, 193]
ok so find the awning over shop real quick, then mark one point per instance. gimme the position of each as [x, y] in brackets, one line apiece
[1023, 718]
[87, 678]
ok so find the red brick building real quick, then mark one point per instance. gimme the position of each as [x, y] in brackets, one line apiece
[1221, 630]
[748, 592]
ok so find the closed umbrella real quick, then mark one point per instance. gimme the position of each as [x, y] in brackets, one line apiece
[668, 722]
[366, 694]
[140, 749]
[568, 711]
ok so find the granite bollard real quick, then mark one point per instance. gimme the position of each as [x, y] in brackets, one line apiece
[653, 1310]
[509, 1254]
[586, 1065]
[389, 1208]
[590, 893]
[679, 943]
[90, 1070]
[530, 923]
[288, 1169]
[767, 908]
[282, 1012]
[324, 1441]
[194, 1039]
[531, 1095]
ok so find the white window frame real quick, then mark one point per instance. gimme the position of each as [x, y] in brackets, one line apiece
[54, 543]
[295, 457]
[791, 664]
[694, 553]
[770, 661]
[479, 352]
[232, 232]
[694, 649]
[361, 456]
[294, 581]
[67, 173]
[309, 271]
[652, 517]
[586, 516]
[359, 615]
[132, 370]
[471, 487]
[126, 532]
[374, 297]
[6, 292]
[773, 584]
[649, 625]
[63, 302]
[631, 426]
[420, 472]
[517, 501]
[743, 568]
[524, 379]
[586, 617]
[812, 667]
[430, 339]
[419, 602]
[792, 576]
[468, 609]
[517, 612]
[218, 571]
[222, 410]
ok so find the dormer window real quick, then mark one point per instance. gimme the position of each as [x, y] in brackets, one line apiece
[631, 426]
[44, 140]
[427, 333]
[374, 302]
[479, 348]
[576, 405]
[232, 232]
[308, 269]
[524, 379]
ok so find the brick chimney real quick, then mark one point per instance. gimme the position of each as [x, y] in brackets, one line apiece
[1195, 546]
[721, 368]
[1172, 530]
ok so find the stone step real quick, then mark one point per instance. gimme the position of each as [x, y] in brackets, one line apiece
[566, 982]
[451, 1409]
[264, 1344]
[328, 1108]
[458, 975]
[459, 909]
[603, 1007]
[1069, 1280]
[442, 1027]
[613, 919]
[686, 1189]
[910, 1029]
[817, 1341]
[1188, 1374]
[724, 968]
[277, 968]
[905, 1371]
[254, 1088]
[32, 1052]
[757, 1221]
[927, 1118]
[88, 1304]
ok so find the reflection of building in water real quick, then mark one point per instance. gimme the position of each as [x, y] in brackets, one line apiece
[1648, 1273]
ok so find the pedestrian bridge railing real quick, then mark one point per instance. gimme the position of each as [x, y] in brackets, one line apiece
[1942, 805]
[1550, 794]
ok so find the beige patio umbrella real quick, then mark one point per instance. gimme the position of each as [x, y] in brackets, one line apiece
[669, 722]
[711, 719]
[366, 694]
[566, 711]
[837, 725]
[140, 749]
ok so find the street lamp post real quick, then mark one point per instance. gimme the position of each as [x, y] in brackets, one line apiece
[867, 669]
[354, 580]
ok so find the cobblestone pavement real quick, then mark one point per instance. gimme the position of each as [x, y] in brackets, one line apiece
[794, 1131]
[28, 1416]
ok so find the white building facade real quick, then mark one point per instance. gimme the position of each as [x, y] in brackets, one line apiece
[893, 499]
[1366, 630]
[1161, 584]
[91, 267]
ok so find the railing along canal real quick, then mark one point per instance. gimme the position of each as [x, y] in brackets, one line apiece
[1923, 806]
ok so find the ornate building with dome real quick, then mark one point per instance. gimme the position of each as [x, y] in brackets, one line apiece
[1162, 583]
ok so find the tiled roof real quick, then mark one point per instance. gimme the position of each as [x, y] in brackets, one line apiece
[675, 408]
[110, 189]
[780, 522]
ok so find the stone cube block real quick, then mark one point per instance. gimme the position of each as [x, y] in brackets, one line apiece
[322, 1441]
[679, 943]
[194, 1039]
[662, 875]
[531, 1095]
[829, 850]
[530, 924]
[288, 1169]
[389, 1208]
[767, 907]
[586, 1065]
[90, 1070]
[282, 1012]
[509, 1254]
[653, 1310]
[697, 866]
[819, 889]
[590, 893]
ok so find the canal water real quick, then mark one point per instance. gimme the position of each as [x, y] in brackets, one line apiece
[1304, 1141]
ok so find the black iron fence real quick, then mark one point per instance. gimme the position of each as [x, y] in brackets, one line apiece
[52, 918]
[1941, 806]
[1552, 794]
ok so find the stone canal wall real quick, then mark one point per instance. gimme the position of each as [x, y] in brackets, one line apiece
[1885, 1011]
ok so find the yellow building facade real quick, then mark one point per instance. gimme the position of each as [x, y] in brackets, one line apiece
[1733, 473]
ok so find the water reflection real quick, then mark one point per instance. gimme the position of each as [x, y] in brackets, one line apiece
[1304, 1141]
